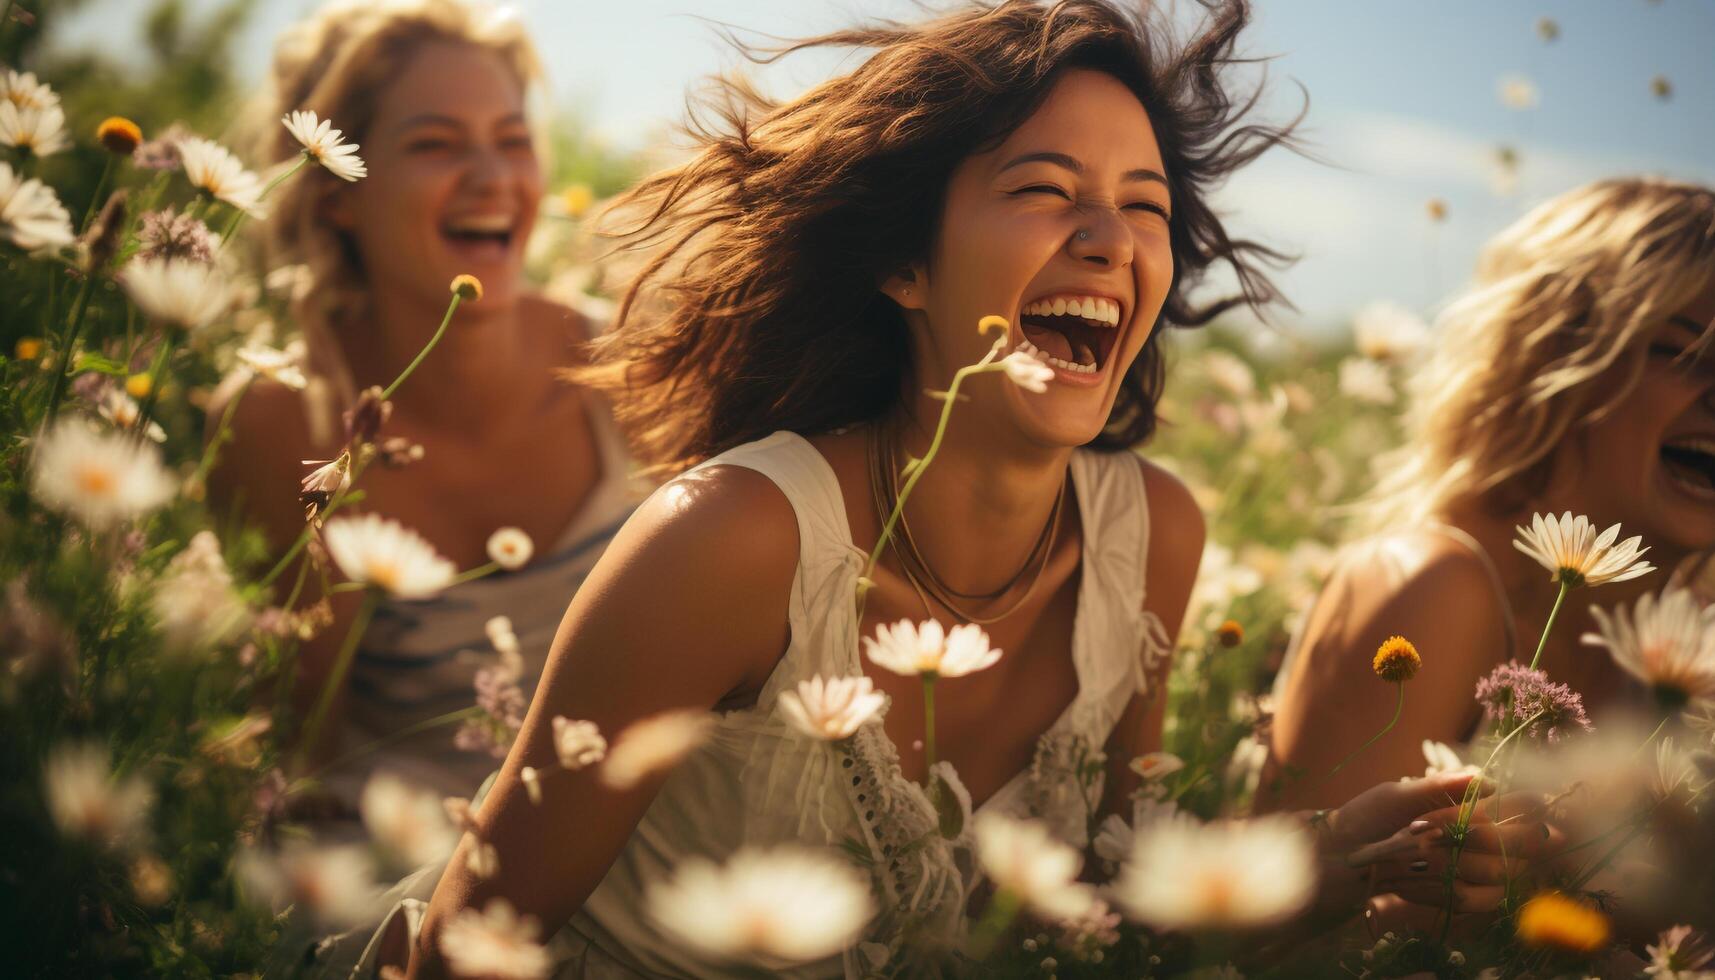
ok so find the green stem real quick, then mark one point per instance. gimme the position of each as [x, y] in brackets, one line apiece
[95, 199]
[1398, 708]
[297, 587]
[336, 677]
[222, 433]
[929, 733]
[1467, 807]
[239, 214]
[386, 740]
[157, 379]
[1552, 613]
[995, 921]
[68, 348]
[475, 573]
[448, 318]
[286, 559]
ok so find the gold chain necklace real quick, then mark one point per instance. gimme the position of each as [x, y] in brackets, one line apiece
[884, 489]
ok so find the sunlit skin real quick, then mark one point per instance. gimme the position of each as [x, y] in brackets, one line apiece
[506, 442]
[1611, 470]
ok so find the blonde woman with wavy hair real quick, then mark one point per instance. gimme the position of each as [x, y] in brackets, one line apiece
[436, 93]
[1573, 375]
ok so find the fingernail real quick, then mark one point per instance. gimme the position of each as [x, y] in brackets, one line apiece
[1418, 866]
[1419, 826]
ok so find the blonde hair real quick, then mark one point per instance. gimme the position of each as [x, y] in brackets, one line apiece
[334, 63]
[1551, 336]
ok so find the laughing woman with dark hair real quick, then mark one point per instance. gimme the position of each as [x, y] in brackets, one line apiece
[815, 271]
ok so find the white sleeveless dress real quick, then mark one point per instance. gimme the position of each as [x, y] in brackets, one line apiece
[758, 783]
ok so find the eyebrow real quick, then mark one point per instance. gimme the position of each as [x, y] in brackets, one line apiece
[1069, 163]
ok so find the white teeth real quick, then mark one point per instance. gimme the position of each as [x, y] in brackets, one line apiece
[481, 224]
[1088, 307]
[1695, 445]
[1060, 307]
[1034, 351]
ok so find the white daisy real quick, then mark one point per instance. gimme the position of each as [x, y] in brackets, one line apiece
[31, 217]
[1027, 371]
[1231, 875]
[123, 411]
[1666, 642]
[335, 884]
[406, 820]
[776, 907]
[510, 548]
[831, 708]
[1440, 757]
[1366, 381]
[24, 91]
[194, 603]
[578, 743]
[1023, 859]
[495, 942]
[178, 292]
[927, 649]
[323, 144]
[1575, 554]
[212, 168]
[1157, 765]
[1389, 332]
[40, 131]
[102, 479]
[384, 554]
[652, 745]
[1679, 953]
[284, 366]
[87, 802]
[1229, 373]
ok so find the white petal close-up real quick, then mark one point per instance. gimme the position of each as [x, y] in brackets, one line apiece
[495, 943]
[284, 366]
[31, 216]
[1389, 332]
[178, 292]
[194, 602]
[87, 802]
[22, 89]
[913, 649]
[578, 744]
[407, 821]
[124, 412]
[770, 908]
[1239, 874]
[1027, 371]
[324, 144]
[1570, 546]
[1665, 641]
[1367, 381]
[1022, 858]
[41, 131]
[653, 745]
[384, 554]
[212, 168]
[102, 479]
[510, 548]
[335, 884]
[831, 708]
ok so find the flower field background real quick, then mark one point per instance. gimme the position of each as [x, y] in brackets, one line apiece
[147, 641]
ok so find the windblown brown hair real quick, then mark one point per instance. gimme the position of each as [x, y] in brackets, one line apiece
[763, 252]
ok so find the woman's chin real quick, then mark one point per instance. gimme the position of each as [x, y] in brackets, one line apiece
[1059, 417]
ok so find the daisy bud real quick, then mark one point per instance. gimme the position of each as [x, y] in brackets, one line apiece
[510, 548]
[1230, 633]
[119, 135]
[578, 743]
[102, 237]
[366, 418]
[27, 348]
[139, 385]
[319, 488]
[532, 783]
[483, 860]
[467, 287]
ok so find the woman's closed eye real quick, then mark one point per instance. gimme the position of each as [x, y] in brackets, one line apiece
[1043, 189]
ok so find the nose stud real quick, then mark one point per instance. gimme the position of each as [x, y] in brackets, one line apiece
[1083, 236]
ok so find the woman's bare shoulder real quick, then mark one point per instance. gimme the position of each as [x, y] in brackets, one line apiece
[1419, 580]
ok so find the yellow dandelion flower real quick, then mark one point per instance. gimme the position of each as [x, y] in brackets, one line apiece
[1396, 660]
[1230, 633]
[119, 135]
[992, 322]
[577, 199]
[1553, 920]
[139, 385]
[467, 286]
[28, 348]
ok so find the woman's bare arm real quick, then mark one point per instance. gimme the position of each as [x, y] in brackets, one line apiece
[687, 607]
[1423, 587]
[1176, 532]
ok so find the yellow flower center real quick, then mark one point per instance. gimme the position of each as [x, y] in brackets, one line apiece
[383, 573]
[96, 481]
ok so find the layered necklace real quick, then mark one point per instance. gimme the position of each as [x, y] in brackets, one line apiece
[884, 490]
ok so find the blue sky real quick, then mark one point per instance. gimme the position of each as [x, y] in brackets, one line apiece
[1403, 102]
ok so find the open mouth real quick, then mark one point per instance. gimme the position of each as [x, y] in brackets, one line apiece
[1690, 463]
[480, 236]
[1074, 333]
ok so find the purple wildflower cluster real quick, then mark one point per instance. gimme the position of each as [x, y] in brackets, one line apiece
[1514, 694]
[500, 713]
[170, 235]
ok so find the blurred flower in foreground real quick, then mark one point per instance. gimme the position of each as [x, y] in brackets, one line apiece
[167, 234]
[831, 708]
[510, 548]
[323, 144]
[385, 554]
[177, 292]
[194, 602]
[787, 904]
[1026, 863]
[284, 367]
[22, 89]
[1157, 765]
[575, 200]
[119, 135]
[335, 884]
[652, 745]
[407, 821]
[1389, 332]
[495, 942]
[123, 411]
[1027, 371]
[1366, 381]
[87, 802]
[1666, 642]
[1518, 92]
[31, 217]
[1441, 757]
[1679, 952]
[100, 479]
[1514, 695]
[1570, 548]
[329, 479]
[1229, 373]
[37, 131]
[578, 743]
[212, 168]
[927, 649]
[1230, 875]
[1555, 921]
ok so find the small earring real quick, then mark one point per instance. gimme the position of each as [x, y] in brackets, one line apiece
[906, 290]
